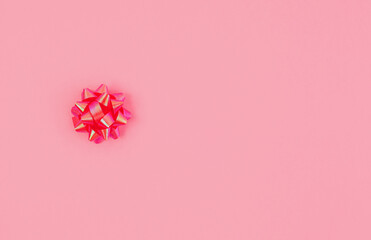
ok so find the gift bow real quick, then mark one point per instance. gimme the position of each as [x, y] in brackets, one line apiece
[100, 114]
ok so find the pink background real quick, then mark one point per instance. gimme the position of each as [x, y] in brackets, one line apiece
[252, 120]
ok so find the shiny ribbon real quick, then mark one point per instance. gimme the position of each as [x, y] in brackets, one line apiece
[100, 114]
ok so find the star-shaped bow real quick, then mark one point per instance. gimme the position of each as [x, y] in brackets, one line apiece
[100, 114]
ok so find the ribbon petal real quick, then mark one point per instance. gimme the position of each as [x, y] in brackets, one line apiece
[127, 114]
[105, 133]
[81, 106]
[87, 94]
[102, 89]
[117, 104]
[104, 99]
[115, 133]
[76, 111]
[121, 119]
[99, 139]
[93, 135]
[118, 96]
[80, 127]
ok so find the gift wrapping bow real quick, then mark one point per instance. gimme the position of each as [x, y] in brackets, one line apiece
[100, 114]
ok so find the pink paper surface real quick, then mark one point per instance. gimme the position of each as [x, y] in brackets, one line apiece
[251, 120]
